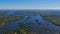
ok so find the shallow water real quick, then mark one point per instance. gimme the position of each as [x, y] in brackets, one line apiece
[41, 26]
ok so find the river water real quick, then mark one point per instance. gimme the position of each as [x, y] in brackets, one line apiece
[41, 26]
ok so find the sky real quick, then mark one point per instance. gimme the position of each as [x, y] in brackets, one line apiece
[29, 4]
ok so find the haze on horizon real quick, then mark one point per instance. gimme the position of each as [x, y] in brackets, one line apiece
[29, 4]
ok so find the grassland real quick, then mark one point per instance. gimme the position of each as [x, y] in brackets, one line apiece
[4, 19]
[51, 17]
[26, 13]
[23, 29]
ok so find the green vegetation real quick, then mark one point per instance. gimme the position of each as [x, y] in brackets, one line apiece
[8, 32]
[4, 19]
[26, 13]
[51, 17]
[24, 29]
[29, 23]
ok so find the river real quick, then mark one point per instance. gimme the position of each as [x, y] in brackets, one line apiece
[41, 26]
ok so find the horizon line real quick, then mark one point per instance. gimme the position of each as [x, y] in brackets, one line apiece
[34, 9]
